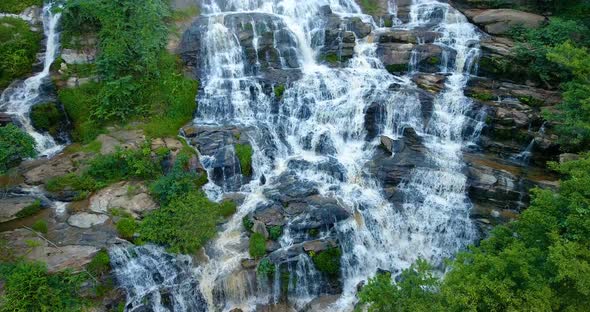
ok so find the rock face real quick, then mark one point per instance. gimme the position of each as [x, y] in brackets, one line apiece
[131, 197]
[86, 220]
[11, 206]
[500, 21]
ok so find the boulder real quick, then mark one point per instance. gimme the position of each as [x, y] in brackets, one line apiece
[5, 119]
[11, 206]
[501, 21]
[319, 245]
[86, 220]
[41, 170]
[131, 197]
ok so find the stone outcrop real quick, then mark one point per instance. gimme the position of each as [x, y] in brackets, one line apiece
[501, 21]
[131, 197]
[11, 206]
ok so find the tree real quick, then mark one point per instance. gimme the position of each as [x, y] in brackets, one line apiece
[15, 145]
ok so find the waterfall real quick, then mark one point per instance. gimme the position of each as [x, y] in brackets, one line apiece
[18, 99]
[320, 123]
[156, 281]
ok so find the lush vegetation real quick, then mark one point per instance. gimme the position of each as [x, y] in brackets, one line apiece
[30, 209]
[18, 50]
[257, 245]
[15, 145]
[539, 263]
[244, 153]
[28, 287]
[328, 261]
[265, 268]
[126, 227]
[17, 6]
[138, 79]
[47, 117]
[178, 181]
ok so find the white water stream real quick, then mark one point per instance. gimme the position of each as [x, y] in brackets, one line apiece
[18, 99]
[327, 106]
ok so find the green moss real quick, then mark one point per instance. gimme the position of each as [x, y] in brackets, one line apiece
[396, 68]
[30, 210]
[126, 228]
[40, 226]
[331, 58]
[328, 261]
[275, 232]
[483, 96]
[279, 90]
[531, 101]
[370, 7]
[265, 268]
[19, 48]
[227, 208]
[313, 232]
[257, 245]
[18, 6]
[47, 117]
[244, 153]
[388, 22]
[433, 60]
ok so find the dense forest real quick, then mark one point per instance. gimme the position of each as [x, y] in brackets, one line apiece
[136, 83]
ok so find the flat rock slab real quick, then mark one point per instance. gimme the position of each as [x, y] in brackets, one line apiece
[87, 220]
[131, 197]
[9, 207]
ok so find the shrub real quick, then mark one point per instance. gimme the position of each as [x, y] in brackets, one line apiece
[30, 210]
[100, 264]
[184, 225]
[177, 183]
[257, 245]
[328, 261]
[265, 268]
[275, 232]
[227, 208]
[483, 96]
[247, 223]
[18, 50]
[126, 227]
[15, 145]
[47, 117]
[18, 6]
[244, 153]
[331, 58]
[396, 68]
[78, 104]
[28, 287]
[279, 90]
[40, 226]
[73, 182]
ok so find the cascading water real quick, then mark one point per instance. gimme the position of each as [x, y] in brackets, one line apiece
[319, 124]
[18, 99]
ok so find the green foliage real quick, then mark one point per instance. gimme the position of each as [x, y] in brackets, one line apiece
[531, 101]
[247, 223]
[257, 245]
[28, 287]
[30, 210]
[104, 170]
[126, 227]
[18, 50]
[313, 232]
[78, 104]
[47, 117]
[18, 6]
[40, 226]
[573, 115]
[244, 153]
[331, 58]
[370, 7]
[536, 43]
[184, 225]
[177, 183]
[265, 268]
[15, 145]
[227, 208]
[275, 232]
[413, 292]
[328, 261]
[100, 264]
[396, 68]
[483, 96]
[539, 263]
[279, 90]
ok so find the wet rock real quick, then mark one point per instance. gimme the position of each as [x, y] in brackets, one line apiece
[359, 27]
[430, 82]
[319, 245]
[270, 215]
[394, 53]
[321, 212]
[289, 187]
[501, 21]
[260, 228]
[86, 220]
[248, 264]
[387, 143]
[11, 206]
[5, 119]
[131, 197]
[321, 303]
[408, 36]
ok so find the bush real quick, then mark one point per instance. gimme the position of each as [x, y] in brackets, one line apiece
[40, 226]
[177, 183]
[247, 223]
[279, 90]
[15, 145]
[265, 268]
[47, 117]
[257, 245]
[244, 153]
[18, 6]
[275, 232]
[328, 261]
[30, 210]
[100, 264]
[126, 227]
[18, 50]
[184, 225]
[78, 104]
[28, 287]
[227, 208]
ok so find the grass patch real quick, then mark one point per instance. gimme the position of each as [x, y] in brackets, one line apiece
[257, 246]
[275, 232]
[19, 47]
[328, 261]
[244, 153]
[17, 6]
[483, 96]
[126, 227]
[279, 90]
[370, 7]
[331, 58]
[40, 226]
[30, 210]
